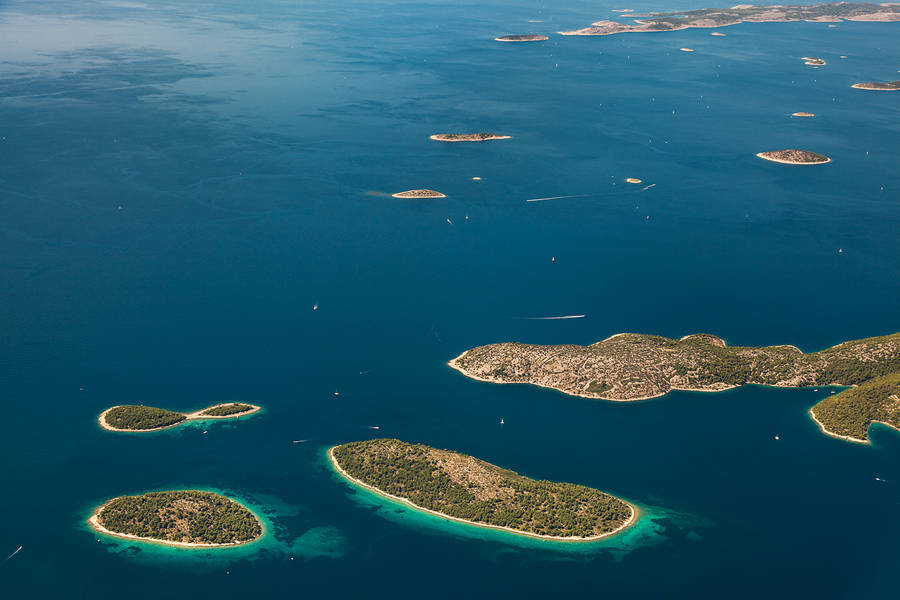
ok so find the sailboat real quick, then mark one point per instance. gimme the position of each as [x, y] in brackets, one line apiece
[501, 420]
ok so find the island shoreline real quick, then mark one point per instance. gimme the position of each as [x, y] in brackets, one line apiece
[193, 416]
[635, 512]
[453, 365]
[95, 524]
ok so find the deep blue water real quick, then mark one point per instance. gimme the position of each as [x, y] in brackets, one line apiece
[181, 182]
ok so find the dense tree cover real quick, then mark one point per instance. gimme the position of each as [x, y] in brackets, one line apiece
[181, 516]
[225, 410]
[129, 416]
[852, 411]
[464, 487]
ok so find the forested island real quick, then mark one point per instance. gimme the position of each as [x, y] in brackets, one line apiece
[180, 517]
[746, 13]
[849, 415]
[463, 488]
[140, 418]
[795, 157]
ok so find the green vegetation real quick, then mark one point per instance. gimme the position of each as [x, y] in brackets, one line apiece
[225, 410]
[188, 516]
[851, 412]
[130, 416]
[467, 488]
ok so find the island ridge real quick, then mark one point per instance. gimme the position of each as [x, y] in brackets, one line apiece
[139, 418]
[191, 518]
[463, 488]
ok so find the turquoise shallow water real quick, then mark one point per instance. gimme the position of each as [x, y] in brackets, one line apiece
[181, 183]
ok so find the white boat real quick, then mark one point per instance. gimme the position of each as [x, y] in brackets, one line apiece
[501, 420]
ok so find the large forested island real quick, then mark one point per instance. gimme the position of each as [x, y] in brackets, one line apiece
[464, 488]
[849, 415]
[180, 518]
[138, 418]
[746, 13]
[632, 366]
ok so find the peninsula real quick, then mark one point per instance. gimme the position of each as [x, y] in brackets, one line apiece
[418, 194]
[468, 137]
[139, 418]
[890, 86]
[795, 157]
[462, 488]
[747, 13]
[189, 518]
[849, 415]
[521, 38]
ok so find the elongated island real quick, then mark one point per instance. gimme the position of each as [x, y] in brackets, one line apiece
[139, 418]
[423, 193]
[520, 37]
[747, 13]
[629, 367]
[890, 86]
[190, 518]
[468, 137]
[462, 488]
[795, 157]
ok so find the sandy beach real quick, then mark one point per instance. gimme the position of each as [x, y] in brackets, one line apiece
[631, 520]
[194, 416]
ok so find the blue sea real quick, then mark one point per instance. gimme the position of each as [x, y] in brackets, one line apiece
[182, 182]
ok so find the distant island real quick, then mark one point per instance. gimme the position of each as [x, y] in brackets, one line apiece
[139, 418]
[890, 86]
[418, 194]
[462, 488]
[803, 114]
[521, 38]
[190, 518]
[813, 61]
[747, 13]
[795, 157]
[849, 415]
[468, 137]
[629, 367]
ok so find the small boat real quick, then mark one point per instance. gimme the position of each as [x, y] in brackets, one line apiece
[337, 393]
[501, 420]
[374, 427]
[777, 438]
[316, 306]
[298, 441]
